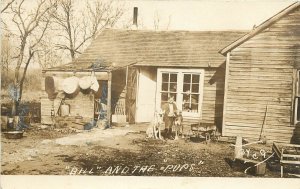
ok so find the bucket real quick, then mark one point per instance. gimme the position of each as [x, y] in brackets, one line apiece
[65, 110]
[70, 84]
[260, 169]
[78, 119]
[12, 122]
[85, 82]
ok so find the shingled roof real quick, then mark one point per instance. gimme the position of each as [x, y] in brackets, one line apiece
[119, 48]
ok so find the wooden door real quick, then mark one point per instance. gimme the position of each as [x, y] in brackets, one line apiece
[131, 95]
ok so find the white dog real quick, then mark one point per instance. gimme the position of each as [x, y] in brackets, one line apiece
[153, 131]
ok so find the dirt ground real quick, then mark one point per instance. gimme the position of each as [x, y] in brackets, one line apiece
[117, 151]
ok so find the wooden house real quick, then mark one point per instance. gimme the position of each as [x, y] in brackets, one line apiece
[262, 87]
[143, 68]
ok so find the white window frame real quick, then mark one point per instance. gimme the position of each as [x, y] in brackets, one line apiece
[179, 93]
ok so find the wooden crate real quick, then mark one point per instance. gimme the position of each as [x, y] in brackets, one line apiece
[288, 154]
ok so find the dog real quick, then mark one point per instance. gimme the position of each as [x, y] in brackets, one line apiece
[178, 125]
[153, 131]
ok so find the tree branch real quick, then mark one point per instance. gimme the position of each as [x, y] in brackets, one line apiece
[6, 6]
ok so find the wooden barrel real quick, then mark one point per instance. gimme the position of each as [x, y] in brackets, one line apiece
[70, 84]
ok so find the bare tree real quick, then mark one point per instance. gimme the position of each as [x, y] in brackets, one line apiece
[6, 5]
[79, 27]
[48, 55]
[30, 27]
[5, 52]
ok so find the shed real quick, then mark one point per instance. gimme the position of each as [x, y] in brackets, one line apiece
[262, 80]
[148, 66]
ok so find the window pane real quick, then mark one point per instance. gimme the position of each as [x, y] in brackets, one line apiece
[173, 87]
[164, 96]
[164, 87]
[194, 108]
[195, 98]
[196, 78]
[173, 95]
[195, 88]
[173, 77]
[186, 98]
[187, 78]
[165, 77]
[186, 88]
[186, 105]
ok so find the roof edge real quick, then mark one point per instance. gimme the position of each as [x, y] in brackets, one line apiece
[260, 28]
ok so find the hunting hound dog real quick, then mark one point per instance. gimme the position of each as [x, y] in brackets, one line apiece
[178, 125]
[153, 131]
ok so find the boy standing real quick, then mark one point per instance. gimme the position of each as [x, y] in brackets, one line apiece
[170, 110]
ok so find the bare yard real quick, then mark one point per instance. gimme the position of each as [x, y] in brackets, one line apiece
[117, 151]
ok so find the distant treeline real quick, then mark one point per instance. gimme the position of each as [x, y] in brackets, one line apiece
[32, 80]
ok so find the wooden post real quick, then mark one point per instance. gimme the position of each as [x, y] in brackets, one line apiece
[281, 164]
[126, 89]
[109, 99]
[225, 92]
[238, 147]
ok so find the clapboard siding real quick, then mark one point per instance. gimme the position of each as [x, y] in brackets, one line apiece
[213, 96]
[261, 74]
[80, 104]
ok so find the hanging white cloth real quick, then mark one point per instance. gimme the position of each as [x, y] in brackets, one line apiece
[95, 84]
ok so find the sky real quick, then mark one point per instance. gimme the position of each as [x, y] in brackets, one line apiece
[203, 14]
[198, 15]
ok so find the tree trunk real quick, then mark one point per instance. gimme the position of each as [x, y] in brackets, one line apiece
[72, 54]
[14, 98]
[16, 79]
[24, 75]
